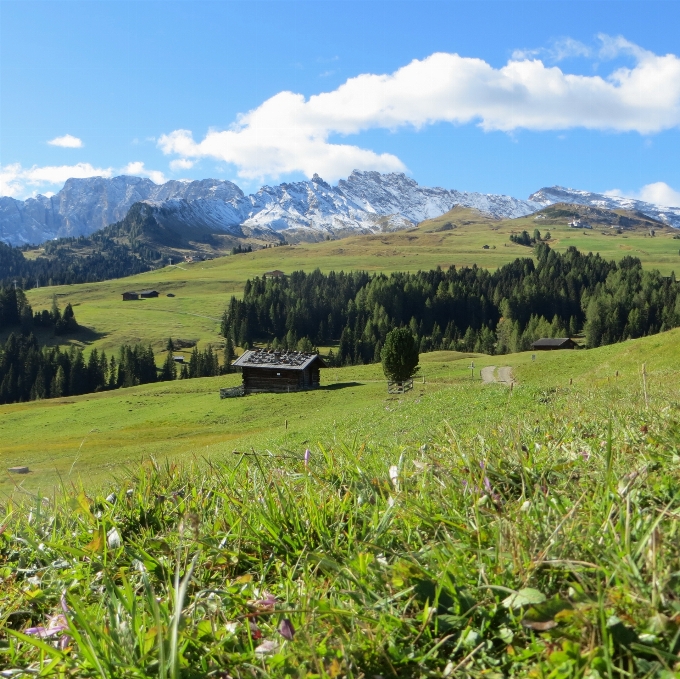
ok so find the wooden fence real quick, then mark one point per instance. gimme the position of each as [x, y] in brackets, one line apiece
[399, 387]
[231, 392]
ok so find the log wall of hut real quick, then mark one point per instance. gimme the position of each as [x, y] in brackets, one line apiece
[279, 380]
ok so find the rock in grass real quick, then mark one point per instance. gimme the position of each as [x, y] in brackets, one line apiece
[18, 470]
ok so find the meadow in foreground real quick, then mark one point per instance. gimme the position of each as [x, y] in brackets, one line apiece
[542, 541]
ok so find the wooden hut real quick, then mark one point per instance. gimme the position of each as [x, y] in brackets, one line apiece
[127, 296]
[276, 273]
[279, 371]
[550, 344]
[146, 294]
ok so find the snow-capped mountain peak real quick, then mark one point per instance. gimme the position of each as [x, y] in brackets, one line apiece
[365, 202]
[559, 194]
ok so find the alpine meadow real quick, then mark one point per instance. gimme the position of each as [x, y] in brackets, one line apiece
[313, 365]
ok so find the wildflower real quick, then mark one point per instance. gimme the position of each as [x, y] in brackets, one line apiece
[113, 538]
[286, 629]
[526, 506]
[394, 476]
[308, 455]
[266, 648]
[56, 624]
[267, 602]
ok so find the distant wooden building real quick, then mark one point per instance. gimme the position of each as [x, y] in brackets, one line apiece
[274, 274]
[279, 371]
[127, 296]
[146, 294]
[550, 344]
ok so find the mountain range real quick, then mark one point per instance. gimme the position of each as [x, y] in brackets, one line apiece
[365, 202]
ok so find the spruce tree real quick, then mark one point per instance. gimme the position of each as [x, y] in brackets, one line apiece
[399, 355]
[169, 369]
[229, 354]
[59, 383]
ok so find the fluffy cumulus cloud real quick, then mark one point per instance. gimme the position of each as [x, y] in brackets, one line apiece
[138, 169]
[181, 164]
[289, 133]
[68, 141]
[17, 181]
[658, 193]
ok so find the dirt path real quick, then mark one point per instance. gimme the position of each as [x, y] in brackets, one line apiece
[504, 375]
[488, 374]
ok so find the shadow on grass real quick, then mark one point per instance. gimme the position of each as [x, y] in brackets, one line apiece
[83, 335]
[46, 336]
[339, 385]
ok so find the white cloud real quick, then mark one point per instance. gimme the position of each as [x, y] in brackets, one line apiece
[137, 168]
[16, 180]
[558, 50]
[68, 141]
[658, 193]
[661, 194]
[288, 133]
[181, 164]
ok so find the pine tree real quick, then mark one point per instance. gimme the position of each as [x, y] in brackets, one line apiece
[399, 355]
[229, 354]
[169, 369]
[58, 383]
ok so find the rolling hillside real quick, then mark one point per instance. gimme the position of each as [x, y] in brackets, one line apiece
[202, 289]
[94, 437]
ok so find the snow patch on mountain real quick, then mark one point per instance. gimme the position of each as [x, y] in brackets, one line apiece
[559, 194]
[366, 202]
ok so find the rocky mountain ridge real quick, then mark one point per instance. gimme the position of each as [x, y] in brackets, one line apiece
[559, 194]
[366, 202]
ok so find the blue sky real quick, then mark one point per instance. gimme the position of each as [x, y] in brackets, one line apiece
[156, 88]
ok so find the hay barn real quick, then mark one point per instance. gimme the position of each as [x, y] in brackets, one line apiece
[550, 344]
[279, 371]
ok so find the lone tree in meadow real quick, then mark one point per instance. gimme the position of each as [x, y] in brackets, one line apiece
[399, 355]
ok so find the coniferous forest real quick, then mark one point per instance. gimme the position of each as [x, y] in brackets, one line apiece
[29, 371]
[467, 309]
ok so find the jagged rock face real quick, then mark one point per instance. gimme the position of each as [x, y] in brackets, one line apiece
[396, 193]
[87, 205]
[366, 202]
[559, 194]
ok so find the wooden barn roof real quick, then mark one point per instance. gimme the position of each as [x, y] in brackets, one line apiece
[275, 360]
[551, 342]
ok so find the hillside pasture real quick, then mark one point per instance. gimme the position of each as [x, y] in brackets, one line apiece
[87, 439]
[202, 289]
[460, 530]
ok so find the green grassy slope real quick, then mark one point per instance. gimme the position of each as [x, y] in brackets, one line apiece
[459, 530]
[89, 437]
[202, 289]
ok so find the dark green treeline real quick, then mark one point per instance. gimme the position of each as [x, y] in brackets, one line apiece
[468, 309]
[29, 371]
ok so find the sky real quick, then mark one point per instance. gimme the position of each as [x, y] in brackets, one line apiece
[496, 97]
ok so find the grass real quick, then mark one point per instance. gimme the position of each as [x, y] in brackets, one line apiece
[202, 289]
[87, 438]
[460, 530]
